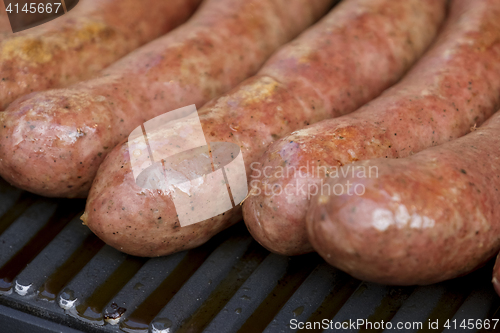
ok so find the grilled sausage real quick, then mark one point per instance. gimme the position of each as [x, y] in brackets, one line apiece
[421, 220]
[79, 44]
[454, 86]
[348, 58]
[54, 141]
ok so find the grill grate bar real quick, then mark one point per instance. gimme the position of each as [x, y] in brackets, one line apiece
[154, 303]
[202, 283]
[413, 311]
[362, 303]
[99, 269]
[8, 272]
[16, 209]
[308, 297]
[24, 241]
[471, 310]
[142, 285]
[231, 283]
[493, 315]
[64, 273]
[342, 290]
[92, 308]
[24, 228]
[251, 293]
[51, 260]
[448, 304]
[297, 271]
[388, 307]
[240, 272]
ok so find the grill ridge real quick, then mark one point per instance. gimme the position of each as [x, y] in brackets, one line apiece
[229, 284]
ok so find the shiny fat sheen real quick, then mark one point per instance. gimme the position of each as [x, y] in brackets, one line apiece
[452, 87]
[359, 49]
[426, 218]
[56, 140]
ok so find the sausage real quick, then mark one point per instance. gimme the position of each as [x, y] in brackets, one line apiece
[496, 275]
[454, 86]
[79, 44]
[66, 133]
[360, 48]
[417, 220]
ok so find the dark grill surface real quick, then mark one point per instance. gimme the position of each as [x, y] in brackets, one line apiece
[56, 276]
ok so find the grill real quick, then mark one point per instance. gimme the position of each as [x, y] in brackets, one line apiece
[56, 276]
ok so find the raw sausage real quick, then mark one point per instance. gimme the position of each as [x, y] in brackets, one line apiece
[422, 219]
[348, 58]
[79, 44]
[496, 275]
[454, 86]
[53, 141]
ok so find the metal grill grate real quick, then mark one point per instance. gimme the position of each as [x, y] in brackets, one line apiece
[56, 276]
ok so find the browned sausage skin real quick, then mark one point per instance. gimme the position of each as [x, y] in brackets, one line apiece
[79, 44]
[422, 219]
[453, 86]
[348, 58]
[65, 134]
